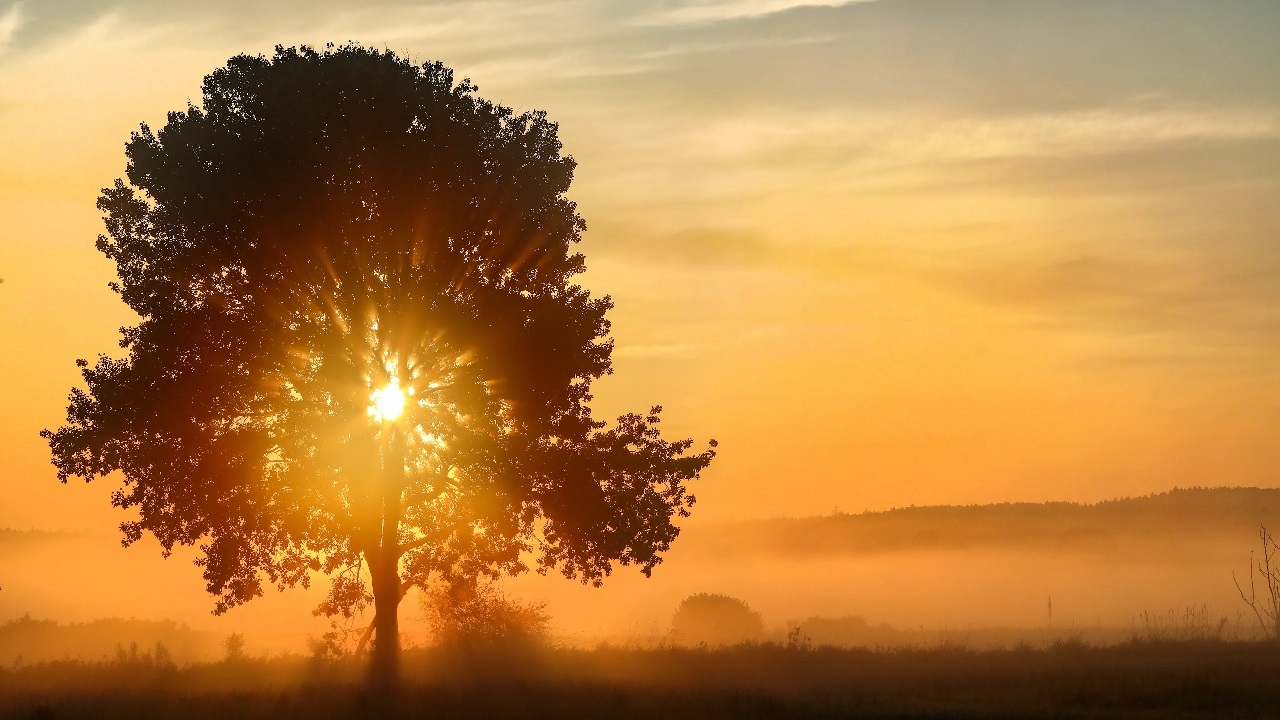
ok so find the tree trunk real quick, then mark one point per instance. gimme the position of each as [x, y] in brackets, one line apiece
[384, 568]
[385, 668]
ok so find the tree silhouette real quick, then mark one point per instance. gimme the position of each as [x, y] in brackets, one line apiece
[361, 351]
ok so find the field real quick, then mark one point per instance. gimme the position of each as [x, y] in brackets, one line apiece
[1158, 679]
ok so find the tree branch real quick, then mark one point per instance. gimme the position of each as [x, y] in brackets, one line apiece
[413, 544]
[364, 636]
[425, 539]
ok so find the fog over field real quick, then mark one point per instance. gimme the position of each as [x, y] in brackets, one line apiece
[930, 573]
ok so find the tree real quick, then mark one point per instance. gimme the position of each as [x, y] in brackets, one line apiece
[716, 620]
[234, 645]
[361, 351]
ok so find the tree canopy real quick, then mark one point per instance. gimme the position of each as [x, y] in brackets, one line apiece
[325, 225]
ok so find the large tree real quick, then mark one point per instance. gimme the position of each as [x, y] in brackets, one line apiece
[361, 350]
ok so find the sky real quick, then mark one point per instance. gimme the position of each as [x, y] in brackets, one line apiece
[886, 252]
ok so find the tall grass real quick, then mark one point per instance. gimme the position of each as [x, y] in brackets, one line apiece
[1194, 623]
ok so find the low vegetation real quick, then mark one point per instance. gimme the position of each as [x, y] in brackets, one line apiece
[27, 640]
[1165, 679]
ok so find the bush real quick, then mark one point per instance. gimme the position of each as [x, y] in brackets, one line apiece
[715, 620]
[848, 631]
[474, 612]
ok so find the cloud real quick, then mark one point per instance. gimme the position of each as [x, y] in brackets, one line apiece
[10, 20]
[651, 352]
[917, 138]
[721, 10]
[1208, 299]
[699, 246]
[1093, 132]
[817, 162]
[1133, 222]
[482, 28]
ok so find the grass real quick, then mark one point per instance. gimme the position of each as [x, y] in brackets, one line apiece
[1140, 679]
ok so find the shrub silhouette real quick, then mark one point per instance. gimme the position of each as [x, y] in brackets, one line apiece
[477, 612]
[848, 631]
[715, 620]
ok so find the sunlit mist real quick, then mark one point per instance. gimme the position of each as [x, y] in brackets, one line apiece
[388, 402]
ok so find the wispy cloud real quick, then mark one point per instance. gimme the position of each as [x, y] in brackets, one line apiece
[1095, 132]
[815, 159]
[10, 20]
[651, 352]
[916, 138]
[1204, 297]
[720, 10]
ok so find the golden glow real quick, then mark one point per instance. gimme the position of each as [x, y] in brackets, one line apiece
[388, 402]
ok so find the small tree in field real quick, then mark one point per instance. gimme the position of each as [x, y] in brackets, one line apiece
[234, 645]
[361, 349]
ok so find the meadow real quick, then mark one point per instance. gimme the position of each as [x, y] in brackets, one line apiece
[1064, 679]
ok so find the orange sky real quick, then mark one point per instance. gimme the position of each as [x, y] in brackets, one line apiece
[888, 253]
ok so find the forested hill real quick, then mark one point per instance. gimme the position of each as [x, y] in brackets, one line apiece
[10, 537]
[1173, 520]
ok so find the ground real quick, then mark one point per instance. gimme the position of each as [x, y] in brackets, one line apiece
[1065, 680]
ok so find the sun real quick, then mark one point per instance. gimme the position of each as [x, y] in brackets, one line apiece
[388, 402]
